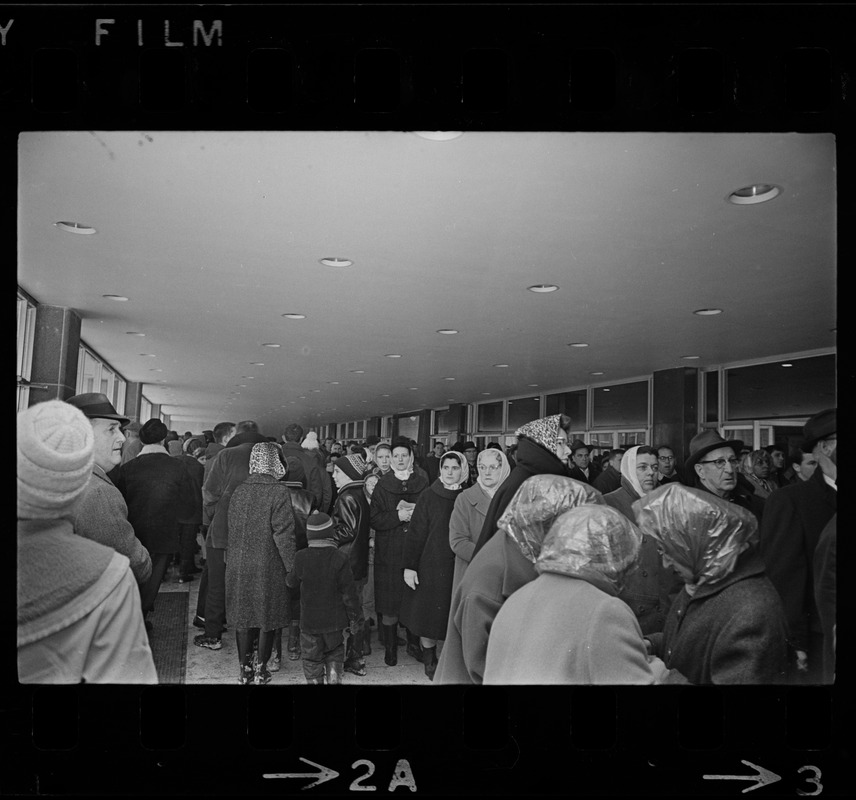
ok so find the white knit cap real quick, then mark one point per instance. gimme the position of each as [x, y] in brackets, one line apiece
[55, 456]
[311, 441]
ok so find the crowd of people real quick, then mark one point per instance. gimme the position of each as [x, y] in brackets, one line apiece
[551, 562]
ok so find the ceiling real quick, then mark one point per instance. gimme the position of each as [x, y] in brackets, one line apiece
[213, 236]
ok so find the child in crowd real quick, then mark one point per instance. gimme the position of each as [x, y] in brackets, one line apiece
[328, 602]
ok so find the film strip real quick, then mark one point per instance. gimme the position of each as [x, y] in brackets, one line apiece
[429, 68]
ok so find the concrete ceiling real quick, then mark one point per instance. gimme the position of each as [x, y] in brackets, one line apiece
[213, 236]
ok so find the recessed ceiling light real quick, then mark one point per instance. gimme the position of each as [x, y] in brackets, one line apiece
[595, 373]
[155, 369]
[447, 331]
[577, 344]
[606, 390]
[316, 390]
[134, 333]
[707, 312]
[117, 297]
[242, 385]
[439, 136]
[336, 262]
[485, 392]
[543, 288]
[257, 363]
[74, 227]
[302, 397]
[384, 395]
[294, 316]
[448, 379]
[357, 371]
[148, 355]
[531, 384]
[270, 344]
[333, 383]
[501, 366]
[691, 358]
[756, 193]
[787, 365]
[413, 388]
[393, 355]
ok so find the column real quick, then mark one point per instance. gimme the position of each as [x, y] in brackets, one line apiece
[675, 409]
[56, 349]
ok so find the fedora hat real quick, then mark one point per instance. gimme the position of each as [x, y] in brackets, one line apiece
[579, 444]
[96, 405]
[703, 443]
[818, 427]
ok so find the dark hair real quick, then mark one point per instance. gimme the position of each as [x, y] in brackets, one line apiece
[646, 450]
[494, 446]
[450, 455]
[565, 423]
[221, 429]
[618, 452]
[383, 445]
[660, 447]
[247, 426]
[403, 442]
[293, 433]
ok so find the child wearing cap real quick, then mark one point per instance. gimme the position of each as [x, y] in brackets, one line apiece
[328, 602]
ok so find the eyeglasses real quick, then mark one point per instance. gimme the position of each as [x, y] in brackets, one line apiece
[647, 468]
[666, 458]
[720, 463]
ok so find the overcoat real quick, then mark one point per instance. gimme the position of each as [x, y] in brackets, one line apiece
[465, 525]
[389, 537]
[425, 610]
[158, 492]
[352, 527]
[261, 551]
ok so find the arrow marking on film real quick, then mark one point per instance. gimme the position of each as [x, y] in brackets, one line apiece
[326, 774]
[763, 777]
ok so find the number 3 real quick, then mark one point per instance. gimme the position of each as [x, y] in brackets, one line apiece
[815, 780]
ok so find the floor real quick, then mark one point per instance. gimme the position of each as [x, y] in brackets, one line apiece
[221, 666]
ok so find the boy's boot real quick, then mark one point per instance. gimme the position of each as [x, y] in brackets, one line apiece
[390, 640]
[429, 659]
[294, 641]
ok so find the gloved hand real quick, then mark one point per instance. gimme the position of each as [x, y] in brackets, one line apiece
[411, 578]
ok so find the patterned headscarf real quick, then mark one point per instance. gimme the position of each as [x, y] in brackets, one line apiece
[462, 460]
[264, 459]
[537, 503]
[544, 431]
[504, 471]
[353, 466]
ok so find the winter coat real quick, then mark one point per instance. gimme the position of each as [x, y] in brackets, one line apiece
[197, 475]
[532, 459]
[352, 527]
[261, 551]
[389, 537]
[650, 588]
[303, 504]
[432, 467]
[311, 470]
[497, 571]
[228, 470]
[102, 516]
[608, 481]
[425, 610]
[824, 594]
[742, 495]
[730, 632]
[794, 517]
[79, 612]
[465, 525]
[159, 493]
[578, 475]
[560, 629]
[328, 595]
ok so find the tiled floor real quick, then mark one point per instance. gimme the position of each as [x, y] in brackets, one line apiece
[221, 666]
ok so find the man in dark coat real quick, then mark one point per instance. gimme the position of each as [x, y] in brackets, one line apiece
[189, 525]
[292, 436]
[793, 520]
[229, 469]
[158, 492]
[582, 468]
[432, 463]
[824, 594]
[610, 479]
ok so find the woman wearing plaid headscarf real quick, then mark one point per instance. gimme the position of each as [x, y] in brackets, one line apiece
[261, 552]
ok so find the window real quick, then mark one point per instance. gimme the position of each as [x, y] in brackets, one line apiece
[441, 421]
[490, 416]
[523, 410]
[623, 405]
[88, 373]
[631, 439]
[26, 335]
[574, 404]
[711, 396]
[762, 391]
[408, 426]
[360, 432]
[145, 409]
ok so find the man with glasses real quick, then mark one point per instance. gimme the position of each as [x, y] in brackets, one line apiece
[668, 465]
[713, 463]
[796, 516]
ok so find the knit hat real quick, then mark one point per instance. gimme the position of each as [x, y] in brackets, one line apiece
[153, 431]
[372, 439]
[354, 466]
[319, 526]
[310, 442]
[174, 447]
[55, 455]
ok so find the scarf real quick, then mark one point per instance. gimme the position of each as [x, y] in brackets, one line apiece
[543, 431]
[628, 470]
[264, 459]
[404, 474]
[504, 469]
[462, 460]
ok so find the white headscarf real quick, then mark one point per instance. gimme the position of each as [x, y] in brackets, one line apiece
[504, 471]
[465, 471]
[628, 470]
[404, 474]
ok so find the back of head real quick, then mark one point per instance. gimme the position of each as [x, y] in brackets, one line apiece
[293, 433]
[221, 429]
[265, 460]
[246, 426]
[153, 431]
[55, 444]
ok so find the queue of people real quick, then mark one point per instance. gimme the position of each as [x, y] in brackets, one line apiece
[548, 566]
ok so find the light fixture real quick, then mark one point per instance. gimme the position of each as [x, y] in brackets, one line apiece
[134, 333]
[595, 373]
[336, 262]
[577, 344]
[155, 369]
[606, 390]
[294, 316]
[393, 355]
[787, 365]
[357, 371]
[447, 331]
[707, 312]
[414, 388]
[543, 288]
[316, 390]
[333, 383]
[439, 136]
[531, 385]
[691, 358]
[448, 379]
[117, 297]
[257, 363]
[485, 393]
[148, 355]
[384, 395]
[75, 227]
[756, 193]
[501, 366]
[270, 344]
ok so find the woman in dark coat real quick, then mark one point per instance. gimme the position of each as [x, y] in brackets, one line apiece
[392, 507]
[429, 562]
[261, 552]
[542, 449]
[727, 625]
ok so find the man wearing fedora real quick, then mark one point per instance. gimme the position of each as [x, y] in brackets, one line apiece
[102, 514]
[794, 519]
[581, 466]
